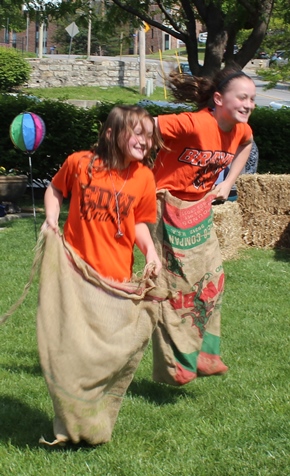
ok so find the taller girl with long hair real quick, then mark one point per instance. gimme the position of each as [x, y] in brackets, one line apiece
[198, 146]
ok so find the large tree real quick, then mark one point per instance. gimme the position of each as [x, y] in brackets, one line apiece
[10, 15]
[223, 20]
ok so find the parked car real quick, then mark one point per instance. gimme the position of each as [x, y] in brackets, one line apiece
[278, 58]
[261, 55]
[235, 51]
[185, 69]
[279, 105]
[202, 37]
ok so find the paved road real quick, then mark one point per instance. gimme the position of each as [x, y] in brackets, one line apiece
[280, 93]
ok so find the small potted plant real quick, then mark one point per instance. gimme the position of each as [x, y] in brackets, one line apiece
[12, 187]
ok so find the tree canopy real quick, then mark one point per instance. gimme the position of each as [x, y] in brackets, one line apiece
[251, 24]
[222, 19]
[10, 15]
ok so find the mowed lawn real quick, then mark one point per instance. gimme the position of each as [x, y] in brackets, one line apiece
[237, 424]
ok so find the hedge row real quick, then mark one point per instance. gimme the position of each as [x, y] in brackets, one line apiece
[270, 130]
[69, 128]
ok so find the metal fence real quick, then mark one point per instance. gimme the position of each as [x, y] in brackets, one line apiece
[17, 44]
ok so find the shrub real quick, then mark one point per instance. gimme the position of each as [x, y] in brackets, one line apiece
[14, 70]
[68, 128]
[270, 132]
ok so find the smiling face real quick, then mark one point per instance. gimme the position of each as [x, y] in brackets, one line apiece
[236, 103]
[139, 141]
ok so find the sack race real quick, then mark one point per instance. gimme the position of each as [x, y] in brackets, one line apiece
[91, 335]
[186, 341]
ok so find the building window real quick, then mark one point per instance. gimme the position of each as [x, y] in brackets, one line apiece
[166, 42]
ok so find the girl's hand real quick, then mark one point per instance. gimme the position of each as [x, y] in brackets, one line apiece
[50, 223]
[152, 257]
[145, 244]
[222, 190]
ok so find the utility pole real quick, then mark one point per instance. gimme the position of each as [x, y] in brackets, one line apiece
[89, 30]
[27, 31]
[121, 45]
[40, 38]
[142, 56]
[135, 46]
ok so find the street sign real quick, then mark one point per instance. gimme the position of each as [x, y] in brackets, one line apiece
[146, 26]
[72, 29]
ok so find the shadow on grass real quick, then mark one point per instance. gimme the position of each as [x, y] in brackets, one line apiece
[157, 393]
[283, 254]
[22, 425]
[22, 368]
[132, 90]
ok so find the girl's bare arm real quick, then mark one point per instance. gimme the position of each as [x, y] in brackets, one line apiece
[145, 244]
[52, 201]
[223, 188]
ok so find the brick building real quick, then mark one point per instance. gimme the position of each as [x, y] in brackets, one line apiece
[159, 40]
[27, 40]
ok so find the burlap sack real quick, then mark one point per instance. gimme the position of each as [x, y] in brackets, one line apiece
[186, 341]
[91, 336]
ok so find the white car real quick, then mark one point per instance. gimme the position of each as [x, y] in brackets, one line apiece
[279, 58]
[279, 105]
[202, 37]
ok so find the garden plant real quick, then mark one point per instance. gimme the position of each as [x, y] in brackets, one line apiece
[14, 69]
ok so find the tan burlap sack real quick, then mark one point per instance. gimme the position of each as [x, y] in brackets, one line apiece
[186, 341]
[91, 336]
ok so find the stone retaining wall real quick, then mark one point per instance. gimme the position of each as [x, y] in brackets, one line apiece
[53, 72]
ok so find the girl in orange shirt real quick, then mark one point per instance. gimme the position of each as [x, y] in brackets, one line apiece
[112, 195]
[92, 323]
[198, 146]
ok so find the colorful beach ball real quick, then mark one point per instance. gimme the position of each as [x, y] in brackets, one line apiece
[27, 131]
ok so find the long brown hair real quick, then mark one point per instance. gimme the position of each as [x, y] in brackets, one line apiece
[200, 90]
[121, 121]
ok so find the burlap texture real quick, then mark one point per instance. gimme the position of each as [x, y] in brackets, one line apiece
[91, 336]
[187, 337]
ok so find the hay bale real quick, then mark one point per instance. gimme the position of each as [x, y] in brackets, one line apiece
[228, 227]
[265, 206]
[267, 193]
[266, 230]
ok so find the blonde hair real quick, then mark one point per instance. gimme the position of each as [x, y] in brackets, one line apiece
[200, 90]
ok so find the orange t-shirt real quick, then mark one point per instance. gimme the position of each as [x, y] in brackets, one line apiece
[91, 225]
[198, 151]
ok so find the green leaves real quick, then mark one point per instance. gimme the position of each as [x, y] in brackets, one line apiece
[14, 70]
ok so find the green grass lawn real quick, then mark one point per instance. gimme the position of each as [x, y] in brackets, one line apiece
[233, 425]
[111, 94]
